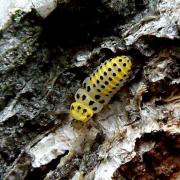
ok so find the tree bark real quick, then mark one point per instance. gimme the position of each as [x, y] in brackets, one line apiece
[47, 49]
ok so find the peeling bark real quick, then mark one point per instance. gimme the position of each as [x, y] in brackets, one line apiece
[47, 48]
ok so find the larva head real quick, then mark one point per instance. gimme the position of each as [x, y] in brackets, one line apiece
[80, 111]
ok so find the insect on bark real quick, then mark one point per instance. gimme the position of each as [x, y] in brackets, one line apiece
[99, 87]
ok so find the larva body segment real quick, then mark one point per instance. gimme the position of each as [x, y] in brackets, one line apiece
[99, 87]
[83, 96]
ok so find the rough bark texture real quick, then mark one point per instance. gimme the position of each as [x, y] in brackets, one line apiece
[47, 48]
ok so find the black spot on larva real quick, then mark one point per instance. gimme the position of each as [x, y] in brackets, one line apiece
[121, 79]
[109, 69]
[72, 107]
[106, 82]
[119, 69]
[120, 60]
[114, 64]
[91, 103]
[97, 81]
[107, 95]
[95, 108]
[101, 77]
[90, 78]
[84, 110]
[79, 107]
[110, 79]
[84, 85]
[125, 75]
[117, 84]
[102, 86]
[83, 97]
[114, 88]
[98, 90]
[110, 91]
[105, 63]
[114, 74]
[88, 88]
[102, 101]
[97, 96]
[78, 96]
[94, 85]
[105, 73]
[129, 70]
[124, 64]
[88, 116]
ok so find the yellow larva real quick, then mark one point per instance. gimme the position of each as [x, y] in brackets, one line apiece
[98, 89]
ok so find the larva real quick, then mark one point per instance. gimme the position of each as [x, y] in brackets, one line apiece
[99, 87]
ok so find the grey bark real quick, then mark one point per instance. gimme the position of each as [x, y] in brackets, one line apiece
[47, 48]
